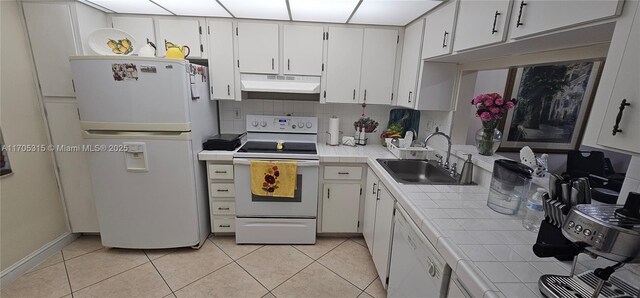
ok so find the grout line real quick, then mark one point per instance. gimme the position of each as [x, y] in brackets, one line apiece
[342, 277]
[84, 254]
[67, 272]
[154, 267]
[225, 265]
[107, 278]
[305, 267]
[345, 239]
[245, 270]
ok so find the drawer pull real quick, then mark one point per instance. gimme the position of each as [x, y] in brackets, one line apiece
[220, 172]
[223, 190]
[616, 126]
[224, 226]
[223, 208]
[343, 173]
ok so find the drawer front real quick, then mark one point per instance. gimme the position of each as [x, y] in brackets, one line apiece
[220, 171]
[223, 224]
[341, 173]
[223, 207]
[222, 190]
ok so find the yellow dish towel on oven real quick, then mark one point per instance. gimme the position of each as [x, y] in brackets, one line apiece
[274, 178]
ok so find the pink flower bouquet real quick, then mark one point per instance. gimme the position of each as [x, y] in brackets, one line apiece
[491, 107]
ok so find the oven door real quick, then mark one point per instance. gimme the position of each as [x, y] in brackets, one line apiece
[303, 205]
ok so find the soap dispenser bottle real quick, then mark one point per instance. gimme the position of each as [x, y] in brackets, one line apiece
[466, 175]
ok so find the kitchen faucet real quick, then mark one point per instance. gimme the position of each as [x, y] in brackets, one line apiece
[446, 163]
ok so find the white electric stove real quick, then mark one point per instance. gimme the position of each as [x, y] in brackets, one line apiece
[278, 220]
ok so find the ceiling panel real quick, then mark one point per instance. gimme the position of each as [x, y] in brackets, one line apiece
[391, 12]
[333, 11]
[206, 8]
[131, 6]
[257, 9]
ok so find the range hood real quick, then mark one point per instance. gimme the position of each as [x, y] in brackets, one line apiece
[259, 86]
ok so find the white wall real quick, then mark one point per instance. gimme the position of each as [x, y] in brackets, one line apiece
[487, 81]
[31, 212]
[494, 81]
[348, 113]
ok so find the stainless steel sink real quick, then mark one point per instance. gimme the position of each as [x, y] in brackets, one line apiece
[417, 172]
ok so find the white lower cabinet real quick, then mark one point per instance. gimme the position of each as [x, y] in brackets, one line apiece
[370, 200]
[378, 224]
[222, 204]
[340, 207]
[456, 289]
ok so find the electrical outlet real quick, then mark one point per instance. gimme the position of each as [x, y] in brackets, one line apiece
[236, 114]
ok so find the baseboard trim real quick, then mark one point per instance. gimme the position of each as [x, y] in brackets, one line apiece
[35, 258]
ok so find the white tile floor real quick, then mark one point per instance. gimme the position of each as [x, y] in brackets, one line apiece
[333, 267]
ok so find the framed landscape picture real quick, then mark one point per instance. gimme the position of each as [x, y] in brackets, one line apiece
[553, 101]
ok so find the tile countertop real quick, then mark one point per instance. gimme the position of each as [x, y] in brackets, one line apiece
[490, 252]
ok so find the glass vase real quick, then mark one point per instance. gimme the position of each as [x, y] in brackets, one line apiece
[488, 140]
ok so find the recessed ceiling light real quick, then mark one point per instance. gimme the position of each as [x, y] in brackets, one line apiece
[391, 12]
[257, 9]
[207, 8]
[333, 11]
[131, 6]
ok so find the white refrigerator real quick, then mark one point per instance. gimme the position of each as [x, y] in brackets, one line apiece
[144, 121]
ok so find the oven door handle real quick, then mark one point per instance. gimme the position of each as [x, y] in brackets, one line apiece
[301, 163]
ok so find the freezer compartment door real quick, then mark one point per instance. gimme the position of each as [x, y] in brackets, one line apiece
[144, 191]
[142, 93]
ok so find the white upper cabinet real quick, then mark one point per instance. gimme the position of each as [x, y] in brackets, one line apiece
[302, 49]
[141, 28]
[221, 70]
[410, 64]
[536, 16]
[183, 31]
[481, 23]
[622, 72]
[52, 44]
[258, 45]
[438, 34]
[343, 64]
[378, 65]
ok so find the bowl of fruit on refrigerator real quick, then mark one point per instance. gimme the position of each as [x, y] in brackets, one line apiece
[394, 131]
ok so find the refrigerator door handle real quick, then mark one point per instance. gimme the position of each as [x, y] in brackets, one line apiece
[154, 135]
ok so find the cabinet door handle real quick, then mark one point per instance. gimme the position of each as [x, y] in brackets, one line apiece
[409, 96]
[365, 94]
[224, 226]
[228, 90]
[616, 127]
[495, 19]
[354, 94]
[165, 44]
[373, 190]
[220, 172]
[288, 64]
[328, 193]
[444, 39]
[343, 173]
[272, 63]
[223, 208]
[223, 190]
[522, 5]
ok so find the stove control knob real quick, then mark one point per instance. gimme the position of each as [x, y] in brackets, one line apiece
[293, 126]
[263, 123]
[578, 228]
[301, 124]
[571, 224]
[599, 240]
[309, 124]
[587, 232]
[254, 123]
